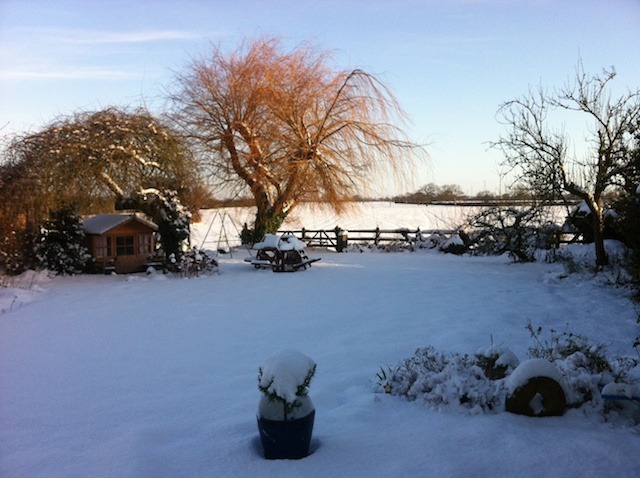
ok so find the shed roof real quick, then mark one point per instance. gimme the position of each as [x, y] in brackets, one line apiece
[102, 223]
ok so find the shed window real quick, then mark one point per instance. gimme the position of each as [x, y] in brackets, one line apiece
[103, 246]
[145, 244]
[124, 246]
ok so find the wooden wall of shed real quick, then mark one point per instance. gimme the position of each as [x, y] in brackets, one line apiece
[123, 264]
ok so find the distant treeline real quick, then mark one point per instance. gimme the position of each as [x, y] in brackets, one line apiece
[448, 194]
[451, 194]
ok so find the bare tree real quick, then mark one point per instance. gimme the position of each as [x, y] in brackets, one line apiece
[286, 127]
[541, 157]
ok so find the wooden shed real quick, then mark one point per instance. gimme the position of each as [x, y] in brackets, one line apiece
[123, 243]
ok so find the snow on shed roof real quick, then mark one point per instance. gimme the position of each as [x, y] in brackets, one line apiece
[101, 223]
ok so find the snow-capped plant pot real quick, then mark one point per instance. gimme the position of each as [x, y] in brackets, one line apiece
[286, 413]
[535, 389]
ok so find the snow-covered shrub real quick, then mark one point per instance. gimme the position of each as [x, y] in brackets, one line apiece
[496, 362]
[482, 382]
[194, 263]
[60, 246]
[518, 232]
[443, 380]
[454, 245]
[284, 380]
[171, 216]
[587, 366]
[431, 241]
[580, 217]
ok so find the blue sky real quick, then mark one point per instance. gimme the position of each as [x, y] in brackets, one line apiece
[450, 63]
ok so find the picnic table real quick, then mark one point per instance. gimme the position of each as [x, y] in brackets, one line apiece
[281, 253]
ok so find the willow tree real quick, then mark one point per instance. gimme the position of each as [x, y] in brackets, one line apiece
[92, 159]
[286, 127]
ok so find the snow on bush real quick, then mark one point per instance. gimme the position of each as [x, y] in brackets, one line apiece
[194, 262]
[481, 383]
[443, 380]
[284, 379]
[171, 216]
[496, 362]
[454, 245]
[59, 248]
[586, 366]
[519, 232]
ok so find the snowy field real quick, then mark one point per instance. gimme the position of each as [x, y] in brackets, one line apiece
[156, 376]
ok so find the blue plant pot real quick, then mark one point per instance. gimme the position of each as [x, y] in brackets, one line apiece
[286, 439]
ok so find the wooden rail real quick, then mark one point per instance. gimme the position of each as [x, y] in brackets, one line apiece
[339, 238]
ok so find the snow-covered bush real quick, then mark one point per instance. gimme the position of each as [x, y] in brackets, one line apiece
[60, 246]
[580, 259]
[518, 232]
[580, 217]
[496, 362]
[587, 366]
[171, 216]
[284, 380]
[194, 262]
[411, 243]
[443, 380]
[481, 382]
[454, 245]
[431, 241]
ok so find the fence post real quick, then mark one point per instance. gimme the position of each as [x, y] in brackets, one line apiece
[377, 238]
[342, 239]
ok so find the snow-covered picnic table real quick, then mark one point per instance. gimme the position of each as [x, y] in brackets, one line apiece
[282, 253]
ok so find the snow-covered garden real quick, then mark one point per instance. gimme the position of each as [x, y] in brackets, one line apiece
[157, 375]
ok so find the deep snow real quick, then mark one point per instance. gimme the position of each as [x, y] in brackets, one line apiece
[141, 375]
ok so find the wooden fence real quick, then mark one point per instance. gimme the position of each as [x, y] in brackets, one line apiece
[339, 238]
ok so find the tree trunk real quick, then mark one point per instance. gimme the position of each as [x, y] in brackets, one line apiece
[267, 221]
[598, 239]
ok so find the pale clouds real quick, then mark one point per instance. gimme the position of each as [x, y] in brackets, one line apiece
[67, 74]
[69, 54]
[88, 37]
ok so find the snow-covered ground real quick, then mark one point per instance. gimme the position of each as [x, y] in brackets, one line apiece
[156, 376]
